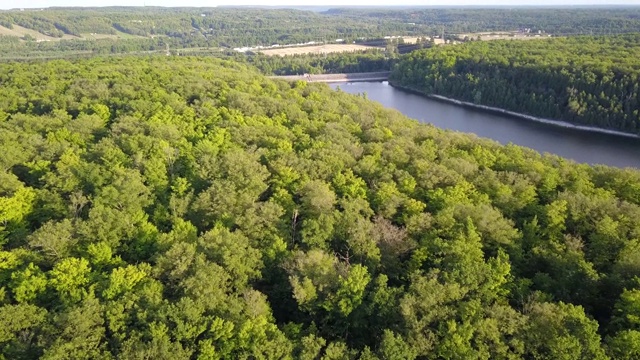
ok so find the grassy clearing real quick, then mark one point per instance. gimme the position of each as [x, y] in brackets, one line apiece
[20, 32]
[118, 35]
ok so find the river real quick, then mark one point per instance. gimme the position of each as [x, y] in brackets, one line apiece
[581, 146]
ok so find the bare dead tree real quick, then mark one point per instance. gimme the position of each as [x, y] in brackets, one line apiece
[294, 226]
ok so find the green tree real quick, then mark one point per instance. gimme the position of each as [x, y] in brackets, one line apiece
[561, 331]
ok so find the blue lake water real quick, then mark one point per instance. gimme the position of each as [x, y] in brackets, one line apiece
[581, 146]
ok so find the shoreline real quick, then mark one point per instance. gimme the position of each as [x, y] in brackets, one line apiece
[499, 111]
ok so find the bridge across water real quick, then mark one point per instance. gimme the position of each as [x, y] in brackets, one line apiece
[331, 78]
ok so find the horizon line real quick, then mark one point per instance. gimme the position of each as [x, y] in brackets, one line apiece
[337, 6]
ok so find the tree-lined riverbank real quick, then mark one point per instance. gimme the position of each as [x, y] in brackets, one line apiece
[513, 114]
[583, 146]
[585, 81]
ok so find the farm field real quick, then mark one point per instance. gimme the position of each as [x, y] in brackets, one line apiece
[20, 31]
[510, 35]
[410, 39]
[318, 49]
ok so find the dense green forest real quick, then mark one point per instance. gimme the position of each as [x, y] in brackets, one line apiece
[569, 20]
[64, 32]
[12, 48]
[225, 27]
[366, 61]
[184, 208]
[583, 80]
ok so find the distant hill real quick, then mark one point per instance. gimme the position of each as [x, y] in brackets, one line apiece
[65, 30]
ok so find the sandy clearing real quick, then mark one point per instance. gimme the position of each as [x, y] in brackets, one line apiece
[410, 39]
[485, 36]
[319, 49]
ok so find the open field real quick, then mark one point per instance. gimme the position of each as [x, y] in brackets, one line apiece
[510, 35]
[20, 31]
[116, 36]
[319, 49]
[100, 36]
[410, 39]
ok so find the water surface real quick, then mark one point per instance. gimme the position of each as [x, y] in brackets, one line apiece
[581, 146]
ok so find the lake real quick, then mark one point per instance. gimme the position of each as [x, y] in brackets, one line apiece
[581, 146]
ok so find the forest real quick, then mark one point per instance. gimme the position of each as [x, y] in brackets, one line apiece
[582, 80]
[557, 20]
[337, 63]
[190, 208]
[83, 32]
[215, 27]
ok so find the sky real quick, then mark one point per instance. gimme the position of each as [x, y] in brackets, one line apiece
[8, 4]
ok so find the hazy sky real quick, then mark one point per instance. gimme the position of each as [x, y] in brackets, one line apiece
[7, 4]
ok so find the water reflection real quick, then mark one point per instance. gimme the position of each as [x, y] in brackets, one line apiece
[581, 146]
